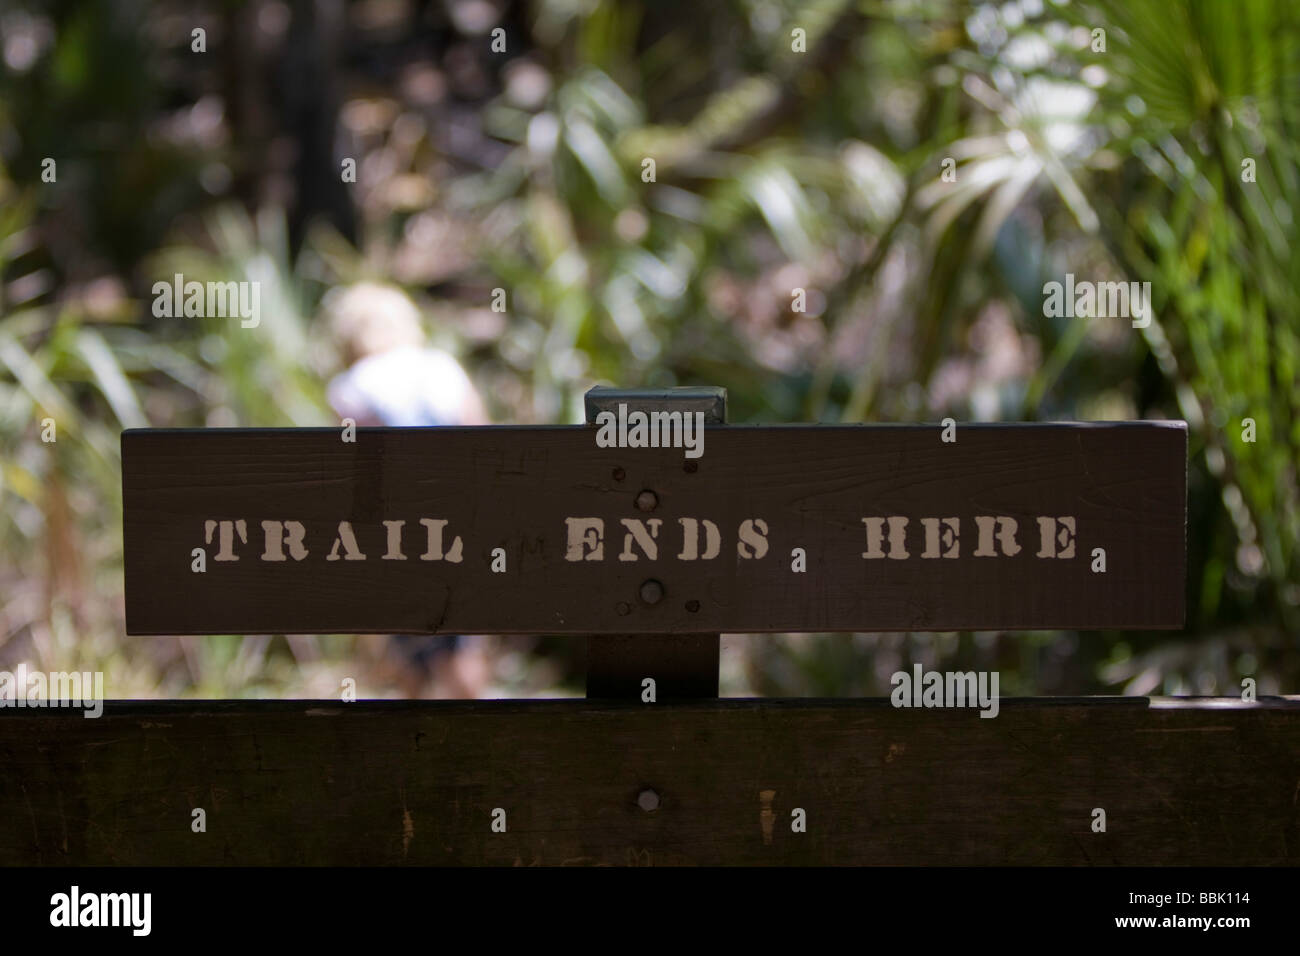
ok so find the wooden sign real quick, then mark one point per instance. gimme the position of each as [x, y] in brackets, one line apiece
[759, 528]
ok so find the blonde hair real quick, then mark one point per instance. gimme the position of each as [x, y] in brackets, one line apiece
[369, 318]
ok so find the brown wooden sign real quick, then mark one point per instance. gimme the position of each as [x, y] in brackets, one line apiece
[547, 530]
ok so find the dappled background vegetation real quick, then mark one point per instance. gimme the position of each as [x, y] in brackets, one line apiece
[1162, 149]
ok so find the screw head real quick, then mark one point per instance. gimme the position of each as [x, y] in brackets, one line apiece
[652, 592]
[623, 608]
[647, 800]
[647, 501]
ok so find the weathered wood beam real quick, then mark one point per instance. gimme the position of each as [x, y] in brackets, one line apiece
[320, 782]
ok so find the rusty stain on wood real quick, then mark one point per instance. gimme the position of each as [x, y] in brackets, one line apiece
[1018, 789]
[766, 817]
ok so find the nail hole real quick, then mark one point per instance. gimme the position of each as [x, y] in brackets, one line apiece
[619, 474]
[691, 466]
[623, 608]
[692, 606]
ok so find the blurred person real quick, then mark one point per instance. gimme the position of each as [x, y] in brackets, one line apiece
[395, 378]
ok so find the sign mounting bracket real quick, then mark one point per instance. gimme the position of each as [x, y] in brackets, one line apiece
[682, 666]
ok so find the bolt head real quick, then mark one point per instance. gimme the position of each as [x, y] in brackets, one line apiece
[652, 592]
[647, 501]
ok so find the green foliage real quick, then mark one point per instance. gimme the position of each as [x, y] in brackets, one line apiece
[1215, 90]
[773, 171]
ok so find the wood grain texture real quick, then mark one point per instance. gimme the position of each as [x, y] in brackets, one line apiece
[512, 488]
[322, 783]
